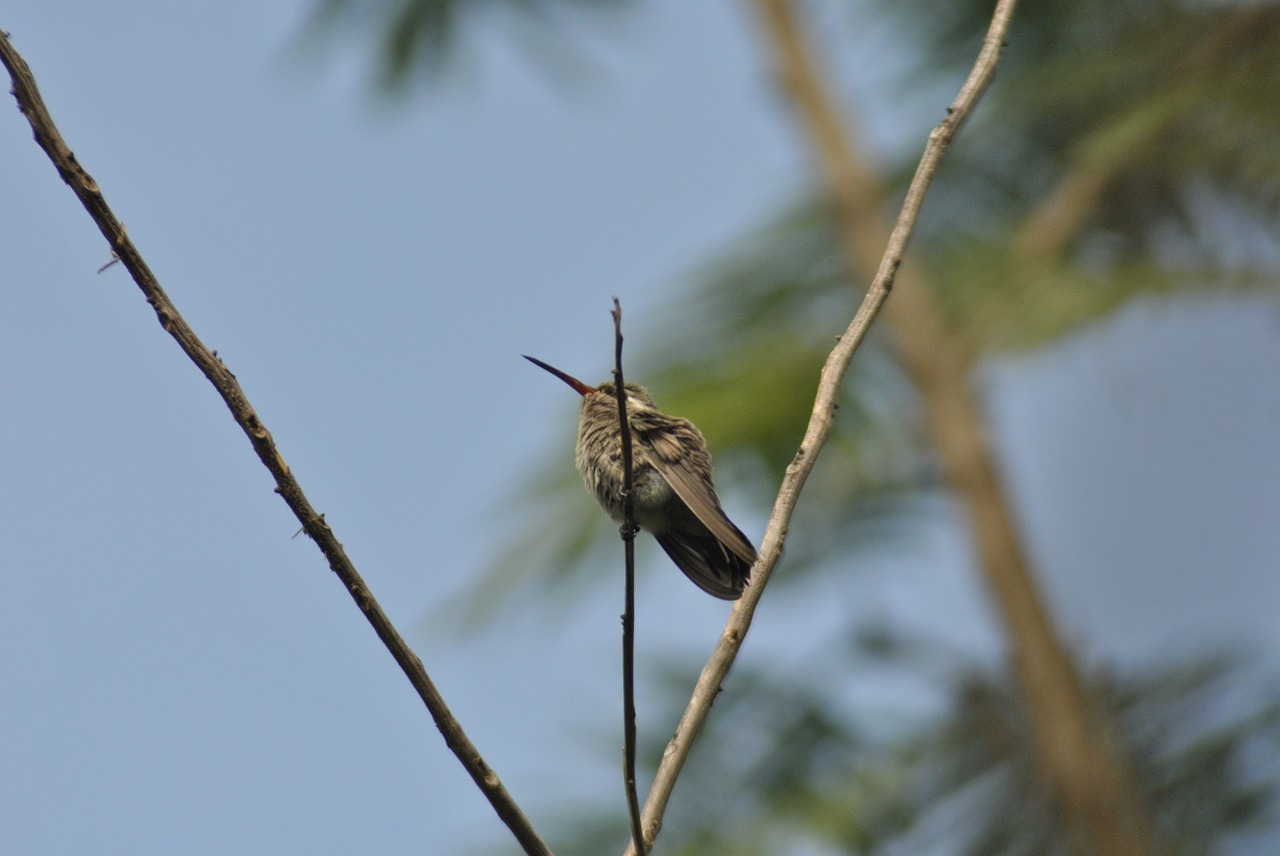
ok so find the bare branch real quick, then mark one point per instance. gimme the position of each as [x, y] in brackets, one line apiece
[628, 531]
[86, 189]
[820, 422]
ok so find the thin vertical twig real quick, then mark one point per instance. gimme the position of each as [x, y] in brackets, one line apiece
[820, 422]
[86, 189]
[628, 532]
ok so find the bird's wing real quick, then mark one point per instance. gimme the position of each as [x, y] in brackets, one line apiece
[675, 461]
[705, 560]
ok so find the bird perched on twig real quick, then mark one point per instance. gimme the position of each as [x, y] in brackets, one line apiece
[674, 497]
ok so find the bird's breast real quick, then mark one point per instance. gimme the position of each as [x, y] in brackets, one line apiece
[601, 470]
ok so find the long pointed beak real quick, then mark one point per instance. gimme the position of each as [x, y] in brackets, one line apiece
[581, 387]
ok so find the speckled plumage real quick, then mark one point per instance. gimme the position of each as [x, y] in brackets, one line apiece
[599, 452]
[675, 496]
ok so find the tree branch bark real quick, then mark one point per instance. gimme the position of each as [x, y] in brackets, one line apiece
[87, 191]
[1078, 757]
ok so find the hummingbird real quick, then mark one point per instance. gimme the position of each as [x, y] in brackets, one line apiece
[674, 496]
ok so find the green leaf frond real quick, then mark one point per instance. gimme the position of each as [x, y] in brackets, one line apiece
[1106, 114]
[788, 761]
[998, 304]
[415, 41]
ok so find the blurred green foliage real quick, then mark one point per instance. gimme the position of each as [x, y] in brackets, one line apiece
[413, 41]
[1128, 149]
[788, 765]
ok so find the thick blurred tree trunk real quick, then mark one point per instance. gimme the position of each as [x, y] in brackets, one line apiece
[1079, 759]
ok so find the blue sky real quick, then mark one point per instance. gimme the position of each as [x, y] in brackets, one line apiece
[178, 674]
